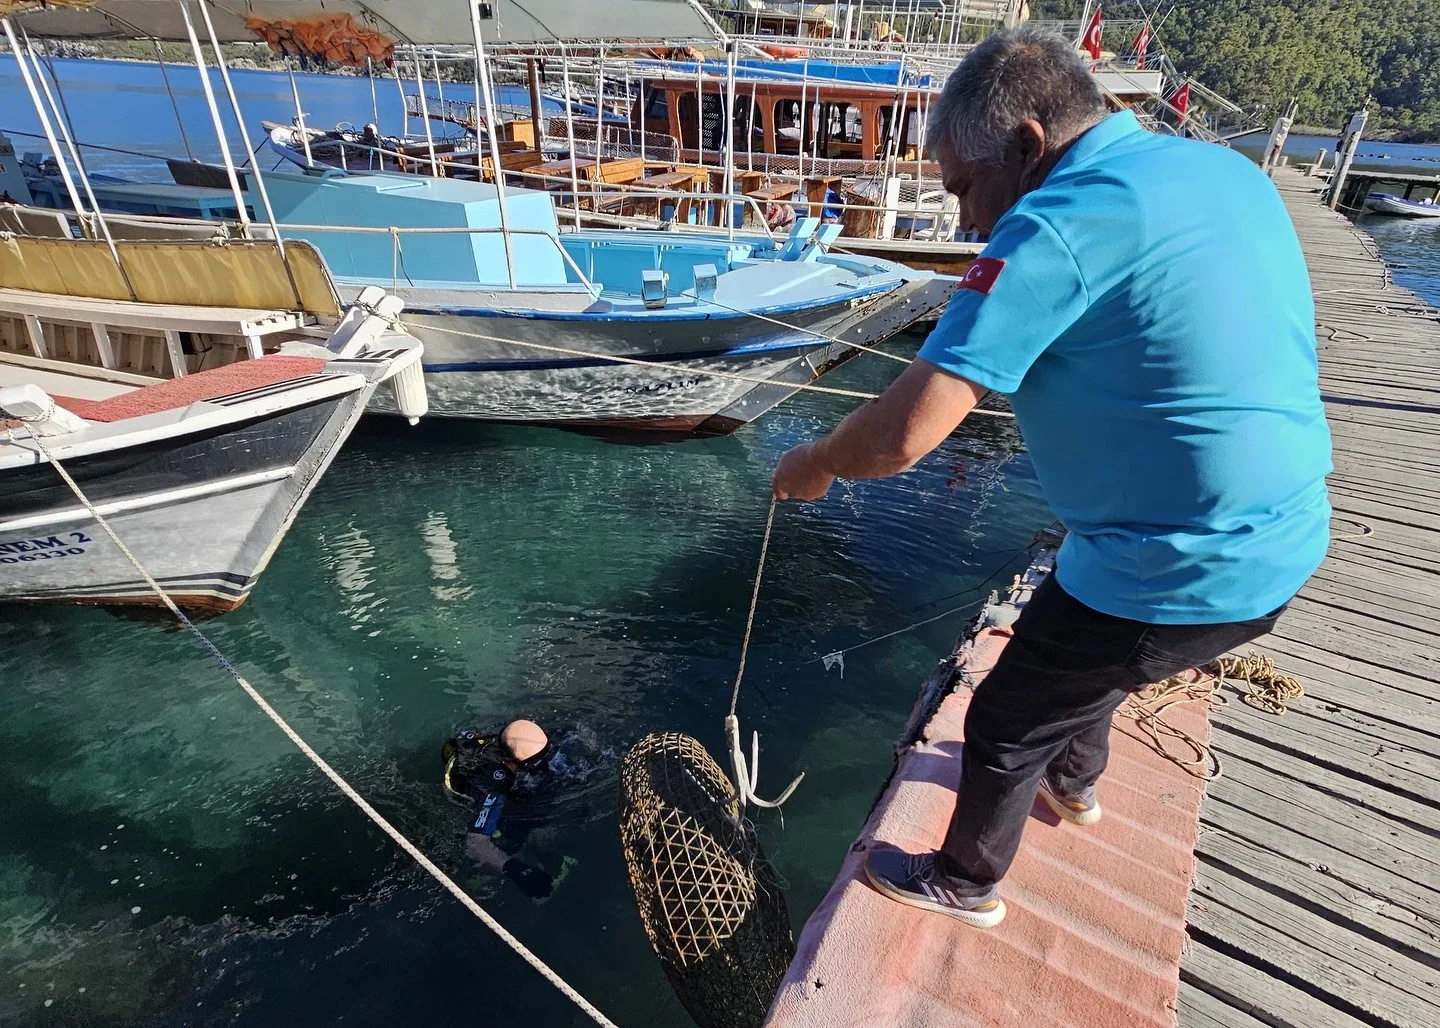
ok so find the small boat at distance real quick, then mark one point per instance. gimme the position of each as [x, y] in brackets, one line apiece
[1387, 203]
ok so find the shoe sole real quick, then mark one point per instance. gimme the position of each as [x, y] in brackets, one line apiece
[1083, 818]
[973, 918]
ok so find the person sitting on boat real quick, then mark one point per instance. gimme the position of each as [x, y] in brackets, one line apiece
[1144, 304]
[497, 775]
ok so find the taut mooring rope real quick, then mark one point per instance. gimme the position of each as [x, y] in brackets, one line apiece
[747, 773]
[304, 747]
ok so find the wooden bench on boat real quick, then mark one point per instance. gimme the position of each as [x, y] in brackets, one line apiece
[146, 339]
[168, 308]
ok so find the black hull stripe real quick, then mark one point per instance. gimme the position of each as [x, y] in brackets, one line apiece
[259, 392]
[219, 583]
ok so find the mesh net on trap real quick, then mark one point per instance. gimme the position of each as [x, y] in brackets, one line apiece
[709, 899]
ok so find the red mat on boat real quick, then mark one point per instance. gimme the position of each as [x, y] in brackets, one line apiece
[203, 385]
[1096, 920]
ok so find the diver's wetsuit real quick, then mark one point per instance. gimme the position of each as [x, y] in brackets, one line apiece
[479, 768]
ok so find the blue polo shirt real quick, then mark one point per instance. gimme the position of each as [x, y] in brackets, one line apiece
[1148, 312]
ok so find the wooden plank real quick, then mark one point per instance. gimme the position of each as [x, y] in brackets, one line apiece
[1352, 905]
[1348, 969]
[1331, 741]
[1199, 1009]
[102, 343]
[178, 367]
[37, 336]
[1298, 792]
[1335, 854]
[1331, 678]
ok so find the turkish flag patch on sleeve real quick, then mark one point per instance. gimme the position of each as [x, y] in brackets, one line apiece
[982, 274]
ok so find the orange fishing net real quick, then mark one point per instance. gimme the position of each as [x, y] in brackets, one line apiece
[336, 38]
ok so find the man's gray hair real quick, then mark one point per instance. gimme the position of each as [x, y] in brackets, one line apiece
[1011, 77]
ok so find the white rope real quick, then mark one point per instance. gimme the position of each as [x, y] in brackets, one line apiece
[853, 394]
[320, 762]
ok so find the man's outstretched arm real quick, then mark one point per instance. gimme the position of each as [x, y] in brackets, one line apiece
[886, 436]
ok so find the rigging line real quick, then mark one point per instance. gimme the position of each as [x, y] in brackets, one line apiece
[340, 783]
[853, 394]
[931, 620]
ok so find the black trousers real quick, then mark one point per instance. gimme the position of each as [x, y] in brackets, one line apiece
[1047, 706]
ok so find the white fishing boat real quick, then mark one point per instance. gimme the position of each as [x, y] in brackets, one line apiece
[697, 332]
[1386, 203]
[200, 476]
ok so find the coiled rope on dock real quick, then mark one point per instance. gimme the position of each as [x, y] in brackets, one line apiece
[1265, 688]
[304, 747]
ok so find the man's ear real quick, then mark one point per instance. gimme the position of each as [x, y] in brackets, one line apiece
[1030, 145]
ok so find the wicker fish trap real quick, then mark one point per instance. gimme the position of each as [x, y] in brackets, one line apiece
[708, 897]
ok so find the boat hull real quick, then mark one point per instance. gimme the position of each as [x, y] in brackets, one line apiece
[203, 512]
[1383, 203]
[679, 383]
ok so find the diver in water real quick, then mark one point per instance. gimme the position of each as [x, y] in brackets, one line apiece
[497, 774]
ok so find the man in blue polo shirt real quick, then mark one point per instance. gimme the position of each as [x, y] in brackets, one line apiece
[1144, 304]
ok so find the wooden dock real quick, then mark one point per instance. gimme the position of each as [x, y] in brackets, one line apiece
[1317, 895]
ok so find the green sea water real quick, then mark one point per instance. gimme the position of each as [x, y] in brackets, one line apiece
[168, 858]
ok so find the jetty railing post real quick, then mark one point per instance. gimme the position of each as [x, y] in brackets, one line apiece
[487, 95]
[570, 132]
[1275, 145]
[220, 136]
[54, 110]
[1346, 157]
[260, 189]
[174, 104]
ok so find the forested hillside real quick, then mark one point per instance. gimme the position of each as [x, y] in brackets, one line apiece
[1331, 54]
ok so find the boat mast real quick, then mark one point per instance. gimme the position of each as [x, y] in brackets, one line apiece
[74, 152]
[599, 106]
[300, 117]
[482, 86]
[374, 100]
[179, 121]
[699, 111]
[44, 120]
[404, 106]
[570, 131]
[215, 119]
[800, 122]
[440, 89]
[729, 115]
[260, 189]
[425, 112]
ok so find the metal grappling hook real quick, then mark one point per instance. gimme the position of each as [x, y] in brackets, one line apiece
[747, 774]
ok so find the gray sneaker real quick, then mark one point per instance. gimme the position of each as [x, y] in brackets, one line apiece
[915, 880]
[1081, 809]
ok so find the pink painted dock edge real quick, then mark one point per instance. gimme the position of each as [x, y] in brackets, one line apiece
[1096, 920]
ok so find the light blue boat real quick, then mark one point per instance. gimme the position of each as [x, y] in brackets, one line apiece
[673, 331]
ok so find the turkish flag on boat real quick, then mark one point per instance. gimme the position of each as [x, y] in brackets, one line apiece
[1142, 46]
[1091, 40]
[1181, 100]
